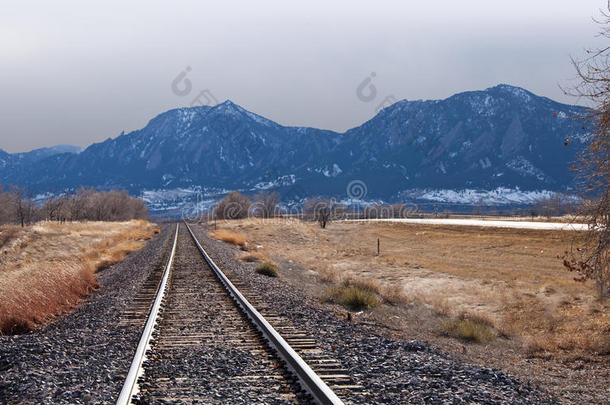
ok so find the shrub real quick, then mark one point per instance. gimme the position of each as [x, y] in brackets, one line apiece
[394, 294]
[357, 298]
[267, 269]
[470, 329]
[355, 294]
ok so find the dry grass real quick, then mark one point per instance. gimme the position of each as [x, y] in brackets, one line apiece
[355, 293]
[229, 237]
[47, 268]
[394, 294]
[512, 276]
[252, 257]
[267, 269]
[470, 329]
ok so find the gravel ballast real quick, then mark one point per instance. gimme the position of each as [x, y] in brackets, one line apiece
[84, 356]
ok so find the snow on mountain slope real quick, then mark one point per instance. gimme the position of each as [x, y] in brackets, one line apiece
[504, 141]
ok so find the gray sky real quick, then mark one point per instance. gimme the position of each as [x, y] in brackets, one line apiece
[76, 73]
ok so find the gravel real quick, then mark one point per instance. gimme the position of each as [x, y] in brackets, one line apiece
[393, 371]
[83, 357]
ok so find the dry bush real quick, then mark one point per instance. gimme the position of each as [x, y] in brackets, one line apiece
[355, 293]
[394, 294]
[229, 237]
[329, 274]
[362, 283]
[469, 328]
[51, 266]
[252, 257]
[267, 269]
[352, 297]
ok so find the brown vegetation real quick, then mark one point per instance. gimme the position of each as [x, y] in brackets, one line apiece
[511, 277]
[229, 237]
[267, 269]
[355, 293]
[47, 268]
[469, 328]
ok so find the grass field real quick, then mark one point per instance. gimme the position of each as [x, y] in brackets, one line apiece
[509, 280]
[45, 269]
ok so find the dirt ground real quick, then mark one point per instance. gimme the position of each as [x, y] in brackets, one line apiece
[549, 329]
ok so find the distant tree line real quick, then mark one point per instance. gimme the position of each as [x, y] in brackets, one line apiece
[18, 207]
[554, 205]
[237, 206]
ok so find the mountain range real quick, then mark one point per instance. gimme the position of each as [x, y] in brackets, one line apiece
[502, 138]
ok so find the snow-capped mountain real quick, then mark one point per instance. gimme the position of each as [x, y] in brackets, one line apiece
[10, 161]
[503, 137]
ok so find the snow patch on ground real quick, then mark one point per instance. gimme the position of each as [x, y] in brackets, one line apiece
[486, 223]
[499, 196]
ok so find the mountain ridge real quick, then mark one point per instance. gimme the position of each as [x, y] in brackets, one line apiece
[503, 136]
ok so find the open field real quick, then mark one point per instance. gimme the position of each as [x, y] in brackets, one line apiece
[46, 268]
[508, 280]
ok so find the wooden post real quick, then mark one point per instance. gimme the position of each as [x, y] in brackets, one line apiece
[377, 246]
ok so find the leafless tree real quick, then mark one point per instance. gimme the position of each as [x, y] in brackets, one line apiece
[233, 206]
[53, 208]
[553, 205]
[5, 207]
[23, 206]
[398, 210]
[319, 209]
[590, 258]
[266, 204]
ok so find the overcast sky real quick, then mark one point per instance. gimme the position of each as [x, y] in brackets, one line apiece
[76, 73]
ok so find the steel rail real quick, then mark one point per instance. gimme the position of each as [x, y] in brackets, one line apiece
[308, 379]
[130, 387]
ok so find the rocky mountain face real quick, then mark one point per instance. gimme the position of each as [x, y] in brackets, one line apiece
[502, 137]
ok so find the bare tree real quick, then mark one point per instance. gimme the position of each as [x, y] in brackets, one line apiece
[265, 204]
[553, 205]
[233, 206]
[23, 206]
[398, 210]
[5, 207]
[320, 209]
[52, 208]
[591, 258]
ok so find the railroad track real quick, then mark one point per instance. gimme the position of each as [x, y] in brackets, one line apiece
[204, 342]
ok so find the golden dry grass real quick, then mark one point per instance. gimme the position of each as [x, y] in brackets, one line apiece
[229, 237]
[47, 268]
[511, 277]
[252, 257]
